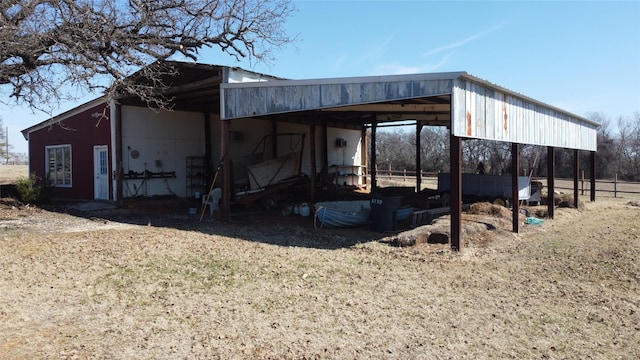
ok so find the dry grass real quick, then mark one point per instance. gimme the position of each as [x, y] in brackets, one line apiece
[268, 287]
[10, 173]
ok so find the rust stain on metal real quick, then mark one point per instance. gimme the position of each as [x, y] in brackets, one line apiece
[504, 112]
[468, 123]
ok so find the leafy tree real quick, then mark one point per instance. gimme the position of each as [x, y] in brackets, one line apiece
[97, 44]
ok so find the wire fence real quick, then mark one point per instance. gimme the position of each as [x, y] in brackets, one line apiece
[604, 187]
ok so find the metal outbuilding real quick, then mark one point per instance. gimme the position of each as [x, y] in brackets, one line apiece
[472, 108]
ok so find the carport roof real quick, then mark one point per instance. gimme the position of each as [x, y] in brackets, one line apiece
[472, 107]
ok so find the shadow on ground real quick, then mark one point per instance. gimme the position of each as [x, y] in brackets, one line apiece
[250, 223]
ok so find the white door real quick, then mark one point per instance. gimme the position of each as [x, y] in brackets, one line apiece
[101, 172]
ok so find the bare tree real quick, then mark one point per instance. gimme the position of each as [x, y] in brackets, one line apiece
[395, 149]
[632, 151]
[435, 149]
[98, 44]
[4, 153]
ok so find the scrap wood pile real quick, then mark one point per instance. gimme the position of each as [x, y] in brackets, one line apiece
[9, 207]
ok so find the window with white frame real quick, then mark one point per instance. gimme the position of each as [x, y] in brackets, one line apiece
[58, 165]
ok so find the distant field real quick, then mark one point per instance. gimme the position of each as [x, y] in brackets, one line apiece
[11, 173]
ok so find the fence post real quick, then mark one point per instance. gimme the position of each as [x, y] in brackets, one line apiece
[582, 183]
[615, 186]
[404, 175]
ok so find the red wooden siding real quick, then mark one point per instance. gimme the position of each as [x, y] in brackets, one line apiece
[82, 131]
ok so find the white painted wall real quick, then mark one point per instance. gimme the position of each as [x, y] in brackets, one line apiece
[165, 137]
[339, 159]
[170, 137]
[346, 160]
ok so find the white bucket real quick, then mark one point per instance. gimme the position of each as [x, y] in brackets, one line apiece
[296, 209]
[305, 210]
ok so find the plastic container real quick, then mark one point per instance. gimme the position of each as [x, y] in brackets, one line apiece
[305, 210]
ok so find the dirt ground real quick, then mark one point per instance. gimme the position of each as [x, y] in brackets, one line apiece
[154, 283]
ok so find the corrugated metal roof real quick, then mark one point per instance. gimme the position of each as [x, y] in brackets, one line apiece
[479, 108]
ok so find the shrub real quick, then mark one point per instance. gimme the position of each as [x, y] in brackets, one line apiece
[30, 190]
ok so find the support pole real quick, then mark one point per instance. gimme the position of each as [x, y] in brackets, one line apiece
[593, 176]
[515, 186]
[226, 170]
[312, 154]
[551, 175]
[456, 191]
[576, 177]
[418, 157]
[209, 170]
[324, 147]
[119, 161]
[363, 156]
[274, 136]
[374, 169]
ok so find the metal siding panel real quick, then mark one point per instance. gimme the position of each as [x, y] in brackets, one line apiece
[229, 103]
[490, 112]
[481, 116]
[494, 113]
[497, 113]
[458, 122]
[373, 92]
[274, 97]
[470, 115]
[398, 90]
[310, 97]
[330, 95]
[346, 91]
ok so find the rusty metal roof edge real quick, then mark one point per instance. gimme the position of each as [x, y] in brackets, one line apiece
[348, 80]
[481, 81]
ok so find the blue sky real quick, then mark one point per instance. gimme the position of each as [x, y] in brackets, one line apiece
[580, 56]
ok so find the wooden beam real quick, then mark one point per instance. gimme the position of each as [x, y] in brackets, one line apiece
[455, 194]
[394, 108]
[551, 175]
[433, 119]
[515, 186]
[196, 85]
